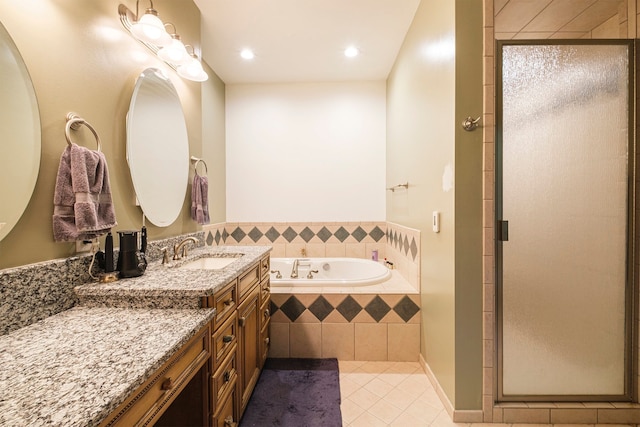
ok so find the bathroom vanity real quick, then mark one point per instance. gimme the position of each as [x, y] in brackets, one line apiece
[178, 345]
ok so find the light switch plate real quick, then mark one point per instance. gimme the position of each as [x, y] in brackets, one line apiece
[435, 223]
[83, 246]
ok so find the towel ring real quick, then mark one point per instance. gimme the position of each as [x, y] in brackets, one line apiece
[74, 122]
[197, 160]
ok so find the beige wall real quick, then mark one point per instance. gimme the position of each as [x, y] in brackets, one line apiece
[81, 59]
[429, 93]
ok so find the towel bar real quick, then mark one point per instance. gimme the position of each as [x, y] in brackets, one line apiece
[74, 122]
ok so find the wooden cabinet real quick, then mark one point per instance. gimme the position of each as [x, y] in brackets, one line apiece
[239, 342]
[146, 405]
[249, 344]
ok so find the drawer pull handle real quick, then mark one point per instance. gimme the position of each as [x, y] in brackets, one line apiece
[227, 338]
[267, 289]
[228, 302]
[242, 321]
[267, 341]
[267, 313]
[226, 376]
[228, 422]
[167, 384]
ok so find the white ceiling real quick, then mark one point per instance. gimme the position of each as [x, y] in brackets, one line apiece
[303, 40]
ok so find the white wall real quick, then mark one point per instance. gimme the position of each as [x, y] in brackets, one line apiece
[306, 152]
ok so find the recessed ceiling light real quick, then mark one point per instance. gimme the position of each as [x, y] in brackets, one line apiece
[247, 54]
[351, 52]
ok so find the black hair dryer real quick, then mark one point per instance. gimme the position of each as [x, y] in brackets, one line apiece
[131, 261]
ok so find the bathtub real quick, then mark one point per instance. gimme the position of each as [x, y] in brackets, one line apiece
[331, 272]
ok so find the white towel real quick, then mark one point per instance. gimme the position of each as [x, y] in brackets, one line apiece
[83, 208]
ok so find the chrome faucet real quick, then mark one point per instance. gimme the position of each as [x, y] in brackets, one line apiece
[294, 270]
[183, 245]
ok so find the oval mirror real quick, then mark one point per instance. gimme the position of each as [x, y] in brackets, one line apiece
[19, 135]
[157, 147]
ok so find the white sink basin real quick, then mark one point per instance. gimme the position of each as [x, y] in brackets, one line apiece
[208, 263]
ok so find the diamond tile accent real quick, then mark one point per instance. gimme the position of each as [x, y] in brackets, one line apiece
[406, 244]
[359, 234]
[289, 234]
[321, 308]
[225, 235]
[218, 237]
[395, 239]
[255, 234]
[376, 234]
[341, 234]
[349, 308]
[307, 234]
[406, 308]
[292, 308]
[209, 239]
[272, 307]
[377, 308]
[324, 234]
[238, 234]
[272, 234]
[414, 248]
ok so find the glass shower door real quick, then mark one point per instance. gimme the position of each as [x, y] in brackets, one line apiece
[562, 183]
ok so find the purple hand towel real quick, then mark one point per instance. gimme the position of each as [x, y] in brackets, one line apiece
[83, 208]
[200, 199]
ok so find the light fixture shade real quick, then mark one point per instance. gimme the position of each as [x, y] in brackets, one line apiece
[193, 71]
[150, 29]
[175, 52]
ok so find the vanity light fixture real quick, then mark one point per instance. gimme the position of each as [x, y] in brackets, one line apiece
[174, 52]
[149, 28]
[167, 46]
[192, 69]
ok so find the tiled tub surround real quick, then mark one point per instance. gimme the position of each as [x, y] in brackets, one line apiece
[169, 286]
[378, 322]
[399, 244]
[371, 327]
[36, 291]
[76, 367]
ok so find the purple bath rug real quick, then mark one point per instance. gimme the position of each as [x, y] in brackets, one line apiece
[295, 393]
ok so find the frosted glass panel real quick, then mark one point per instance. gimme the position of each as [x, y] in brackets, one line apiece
[565, 139]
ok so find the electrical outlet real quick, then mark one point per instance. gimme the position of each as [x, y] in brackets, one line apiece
[83, 246]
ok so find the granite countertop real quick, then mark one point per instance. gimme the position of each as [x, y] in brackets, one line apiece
[76, 367]
[169, 286]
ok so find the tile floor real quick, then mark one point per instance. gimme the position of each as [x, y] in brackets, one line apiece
[388, 394]
[397, 394]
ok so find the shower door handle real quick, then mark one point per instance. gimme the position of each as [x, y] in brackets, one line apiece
[502, 229]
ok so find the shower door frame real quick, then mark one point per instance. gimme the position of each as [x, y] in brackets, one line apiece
[631, 280]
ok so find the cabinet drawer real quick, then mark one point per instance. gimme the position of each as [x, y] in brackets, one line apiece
[225, 301]
[265, 313]
[265, 289]
[225, 413]
[224, 377]
[247, 280]
[154, 396]
[265, 265]
[224, 340]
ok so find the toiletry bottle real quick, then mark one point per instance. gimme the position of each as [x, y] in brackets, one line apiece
[374, 255]
[108, 253]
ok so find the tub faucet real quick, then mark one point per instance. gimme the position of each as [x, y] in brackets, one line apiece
[183, 245]
[294, 270]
